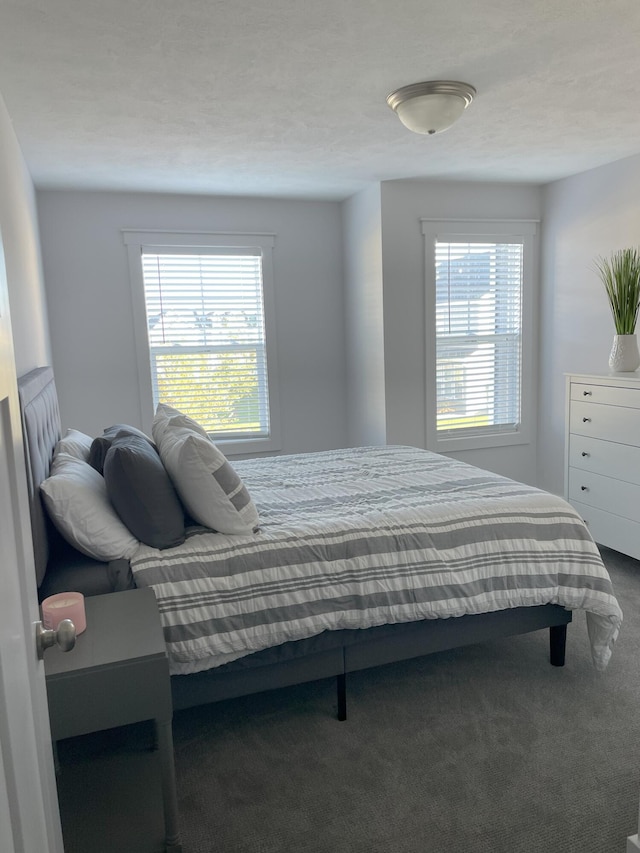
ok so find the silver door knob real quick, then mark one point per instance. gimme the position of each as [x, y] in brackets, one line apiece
[64, 636]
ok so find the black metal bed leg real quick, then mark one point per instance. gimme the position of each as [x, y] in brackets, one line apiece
[341, 684]
[557, 644]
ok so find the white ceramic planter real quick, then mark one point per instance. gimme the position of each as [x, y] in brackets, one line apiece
[624, 357]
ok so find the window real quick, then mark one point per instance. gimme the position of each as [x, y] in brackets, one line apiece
[479, 359]
[203, 322]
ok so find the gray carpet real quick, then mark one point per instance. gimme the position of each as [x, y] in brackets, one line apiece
[487, 748]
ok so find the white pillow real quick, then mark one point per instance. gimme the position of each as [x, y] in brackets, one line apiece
[76, 499]
[75, 443]
[168, 418]
[209, 487]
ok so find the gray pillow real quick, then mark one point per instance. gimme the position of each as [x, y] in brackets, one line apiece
[142, 493]
[100, 445]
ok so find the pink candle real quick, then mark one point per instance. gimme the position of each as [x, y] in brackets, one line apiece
[64, 605]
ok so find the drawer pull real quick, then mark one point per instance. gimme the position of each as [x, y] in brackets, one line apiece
[584, 453]
[586, 420]
[587, 393]
[584, 488]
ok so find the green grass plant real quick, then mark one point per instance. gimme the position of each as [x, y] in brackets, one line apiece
[620, 274]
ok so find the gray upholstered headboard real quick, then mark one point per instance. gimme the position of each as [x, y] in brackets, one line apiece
[42, 430]
[65, 568]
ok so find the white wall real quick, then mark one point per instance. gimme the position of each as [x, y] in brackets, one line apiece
[92, 335]
[585, 216]
[88, 290]
[19, 230]
[404, 203]
[364, 318]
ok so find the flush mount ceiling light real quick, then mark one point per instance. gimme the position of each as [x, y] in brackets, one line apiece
[431, 107]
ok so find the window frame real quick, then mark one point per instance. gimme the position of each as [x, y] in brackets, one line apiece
[138, 241]
[490, 231]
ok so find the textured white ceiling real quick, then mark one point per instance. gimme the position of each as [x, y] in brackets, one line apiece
[287, 97]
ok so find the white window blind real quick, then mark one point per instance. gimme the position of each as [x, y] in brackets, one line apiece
[206, 331]
[478, 336]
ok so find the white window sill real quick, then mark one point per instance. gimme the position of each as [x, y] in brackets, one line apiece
[246, 446]
[476, 442]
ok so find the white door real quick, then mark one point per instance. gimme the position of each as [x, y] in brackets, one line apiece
[29, 818]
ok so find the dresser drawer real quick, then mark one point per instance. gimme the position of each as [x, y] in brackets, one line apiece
[612, 423]
[615, 532]
[607, 394]
[614, 496]
[605, 457]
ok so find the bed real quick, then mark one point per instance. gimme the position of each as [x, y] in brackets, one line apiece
[362, 557]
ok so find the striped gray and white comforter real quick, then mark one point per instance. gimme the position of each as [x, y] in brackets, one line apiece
[367, 536]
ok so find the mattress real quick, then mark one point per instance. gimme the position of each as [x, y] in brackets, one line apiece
[361, 537]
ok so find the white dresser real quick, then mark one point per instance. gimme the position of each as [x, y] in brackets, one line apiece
[602, 477]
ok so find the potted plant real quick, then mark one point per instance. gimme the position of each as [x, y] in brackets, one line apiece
[620, 274]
